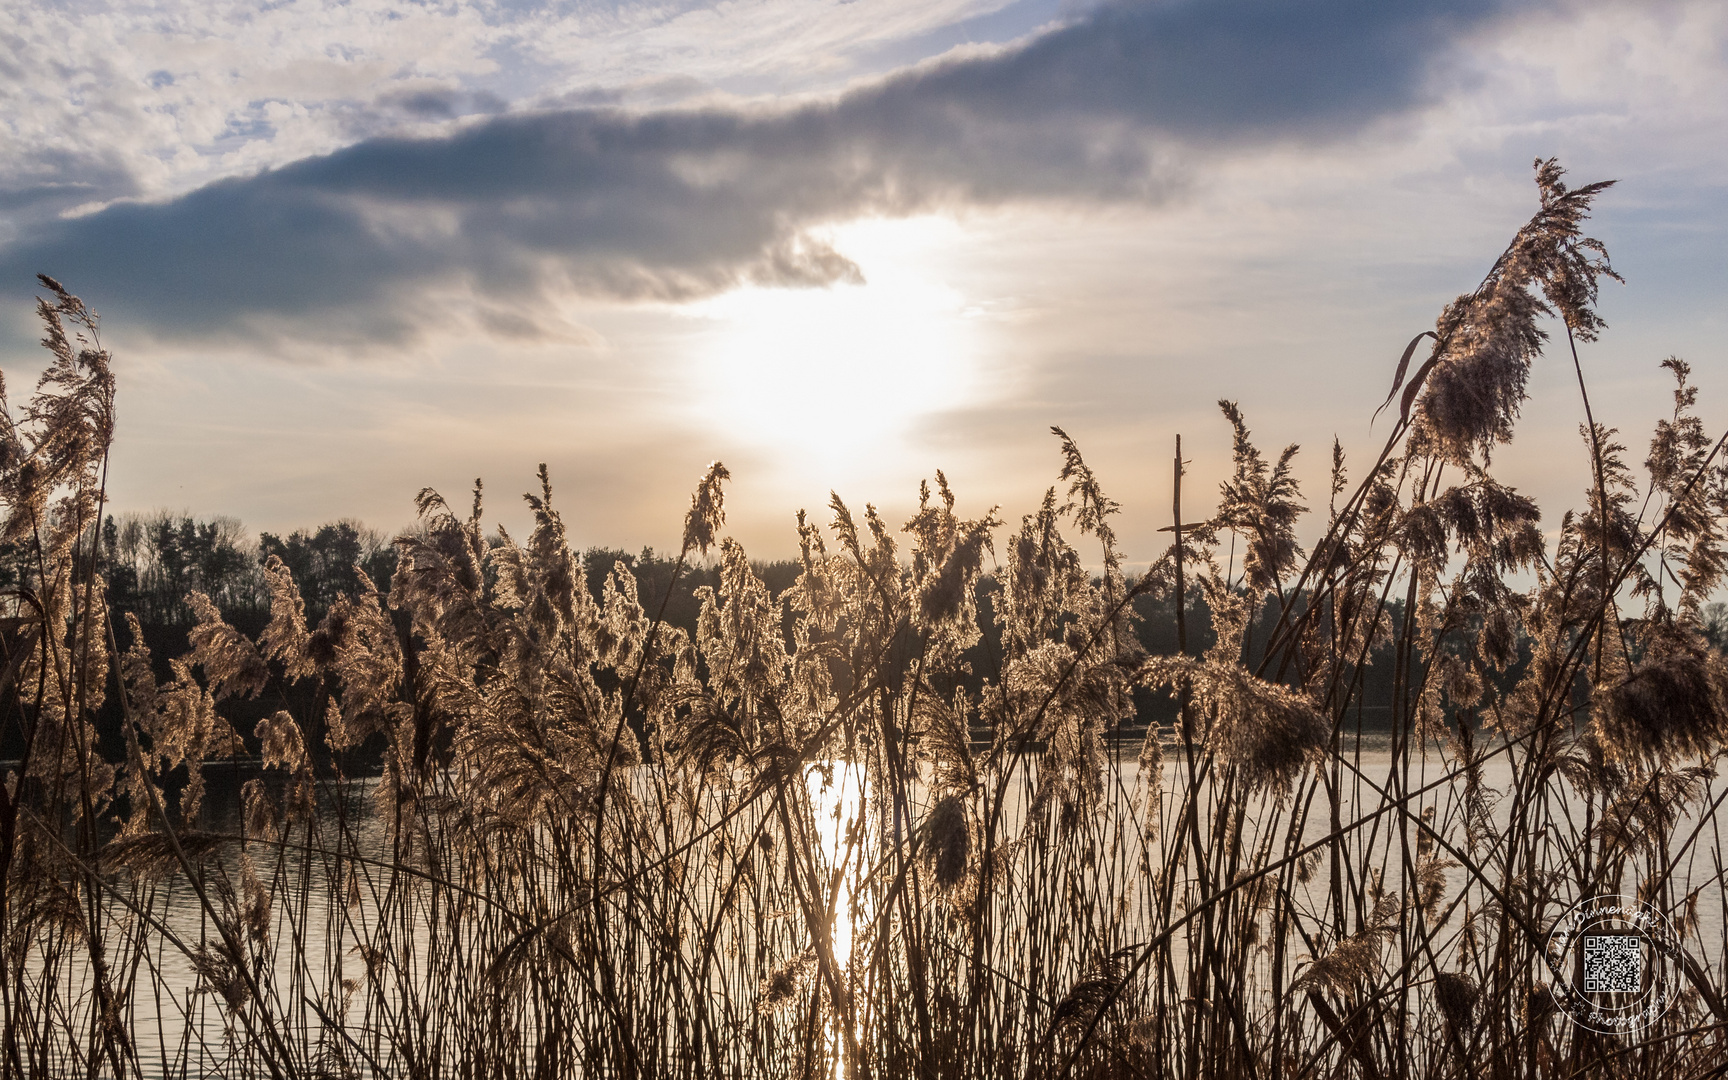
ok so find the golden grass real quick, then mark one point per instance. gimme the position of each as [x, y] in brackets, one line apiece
[881, 845]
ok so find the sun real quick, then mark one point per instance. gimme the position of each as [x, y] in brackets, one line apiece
[833, 372]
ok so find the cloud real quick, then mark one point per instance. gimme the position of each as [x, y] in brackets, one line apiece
[442, 103]
[59, 179]
[370, 243]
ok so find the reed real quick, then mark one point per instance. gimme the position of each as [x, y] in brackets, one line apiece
[844, 831]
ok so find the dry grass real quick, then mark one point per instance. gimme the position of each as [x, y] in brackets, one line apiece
[602, 846]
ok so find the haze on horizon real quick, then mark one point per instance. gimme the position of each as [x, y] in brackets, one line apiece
[345, 251]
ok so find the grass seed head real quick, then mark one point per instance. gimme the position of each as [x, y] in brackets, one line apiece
[948, 841]
[1672, 703]
[1456, 995]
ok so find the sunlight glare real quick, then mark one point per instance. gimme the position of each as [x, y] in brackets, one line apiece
[831, 372]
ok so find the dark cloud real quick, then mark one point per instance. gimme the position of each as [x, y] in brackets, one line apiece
[677, 203]
[444, 104]
[52, 180]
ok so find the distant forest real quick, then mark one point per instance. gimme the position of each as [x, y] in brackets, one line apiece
[153, 562]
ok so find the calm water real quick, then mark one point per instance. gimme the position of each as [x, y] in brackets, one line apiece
[169, 1023]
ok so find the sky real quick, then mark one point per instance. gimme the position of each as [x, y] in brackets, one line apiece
[347, 250]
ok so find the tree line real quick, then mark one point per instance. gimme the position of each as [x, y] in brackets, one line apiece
[152, 563]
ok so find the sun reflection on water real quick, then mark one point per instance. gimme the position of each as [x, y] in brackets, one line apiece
[836, 798]
[838, 802]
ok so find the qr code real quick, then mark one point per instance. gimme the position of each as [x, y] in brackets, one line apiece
[1613, 963]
